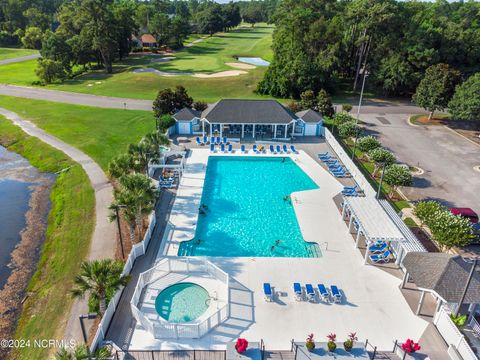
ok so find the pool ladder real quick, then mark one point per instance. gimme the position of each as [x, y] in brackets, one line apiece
[214, 297]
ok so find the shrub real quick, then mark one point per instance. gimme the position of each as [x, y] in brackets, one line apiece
[32, 38]
[343, 117]
[294, 106]
[410, 346]
[368, 143]
[50, 70]
[397, 175]
[459, 320]
[165, 122]
[200, 105]
[347, 107]
[324, 104]
[348, 129]
[308, 100]
[426, 210]
[380, 156]
[465, 103]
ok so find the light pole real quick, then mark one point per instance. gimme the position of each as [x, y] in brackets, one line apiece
[381, 180]
[365, 72]
[89, 316]
[119, 228]
[469, 280]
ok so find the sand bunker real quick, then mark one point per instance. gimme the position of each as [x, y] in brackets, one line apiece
[203, 76]
[164, 59]
[240, 65]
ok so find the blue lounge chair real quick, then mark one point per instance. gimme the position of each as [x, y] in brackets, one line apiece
[222, 147]
[350, 188]
[272, 149]
[279, 151]
[242, 148]
[225, 140]
[327, 158]
[165, 184]
[310, 292]
[378, 248]
[197, 139]
[205, 140]
[323, 154]
[342, 174]
[255, 150]
[218, 141]
[293, 149]
[230, 148]
[332, 162]
[322, 290]
[297, 290]
[384, 257]
[212, 147]
[335, 166]
[212, 140]
[337, 297]
[267, 291]
[285, 150]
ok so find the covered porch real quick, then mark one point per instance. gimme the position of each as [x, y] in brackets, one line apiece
[383, 239]
[252, 131]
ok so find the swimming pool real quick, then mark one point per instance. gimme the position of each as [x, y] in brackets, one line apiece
[249, 210]
[182, 302]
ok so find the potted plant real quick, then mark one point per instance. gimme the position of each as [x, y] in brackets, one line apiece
[348, 344]
[310, 344]
[331, 342]
[410, 347]
[241, 345]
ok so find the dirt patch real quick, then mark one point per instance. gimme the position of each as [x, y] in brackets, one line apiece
[237, 65]
[24, 258]
[424, 239]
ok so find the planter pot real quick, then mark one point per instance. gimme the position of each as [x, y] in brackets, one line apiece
[347, 347]
[310, 348]
[331, 346]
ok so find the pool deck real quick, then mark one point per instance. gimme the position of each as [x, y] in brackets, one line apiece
[373, 305]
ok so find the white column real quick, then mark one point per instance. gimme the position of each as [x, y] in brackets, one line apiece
[293, 129]
[420, 303]
[243, 130]
[253, 131]
[211, 130]
[286, 129]
[399, 255]
[357, 239]
[367, 252]
[221, 130]
[203, 128]
[350, 224]
[275, 131]
[405, 279]
[344, 210]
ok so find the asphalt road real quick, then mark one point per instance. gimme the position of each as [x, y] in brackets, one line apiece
[75, 98]
[19, 59]
[446, 157]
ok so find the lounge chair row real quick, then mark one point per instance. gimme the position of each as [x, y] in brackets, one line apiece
[213, 140]
[334, 166]
[274, 150]
[351, 191]
[333, 296]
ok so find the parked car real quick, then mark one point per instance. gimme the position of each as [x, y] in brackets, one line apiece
[466, 213]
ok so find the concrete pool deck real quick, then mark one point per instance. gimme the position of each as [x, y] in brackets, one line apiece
[373, 305]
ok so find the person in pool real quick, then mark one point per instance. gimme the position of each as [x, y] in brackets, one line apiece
[277, 242]
[198, 242]
[272, 248]
[205, 206]
[286, 198]
[201, 211]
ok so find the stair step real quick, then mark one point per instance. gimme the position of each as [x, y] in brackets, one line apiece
[279, 355]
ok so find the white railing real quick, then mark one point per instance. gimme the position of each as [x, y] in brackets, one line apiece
[161, 328]
[359, 178]
[452, 335]
[137, 250]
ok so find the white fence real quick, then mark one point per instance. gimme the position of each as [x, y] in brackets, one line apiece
[164, 329]
[137, 250]
[452, 335]
[360, 179]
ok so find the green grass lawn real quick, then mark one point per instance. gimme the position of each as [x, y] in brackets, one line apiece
[70, 226]
[100, 133]
[9, 53]
[207, 56]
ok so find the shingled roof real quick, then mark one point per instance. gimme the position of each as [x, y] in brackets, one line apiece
[309, 116]
[443, 273]
[237, 111]
[186, 114]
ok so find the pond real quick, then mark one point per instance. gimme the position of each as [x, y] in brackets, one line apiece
[257, 61]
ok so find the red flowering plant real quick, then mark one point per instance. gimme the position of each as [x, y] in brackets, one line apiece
[310, 343]
[348, 344]
[241, 345]
[331, 342]
[410, 346]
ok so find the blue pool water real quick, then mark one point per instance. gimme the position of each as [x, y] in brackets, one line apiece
[247, 212]
[182, 302]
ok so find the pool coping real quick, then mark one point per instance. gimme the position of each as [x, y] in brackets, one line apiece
[183, 217]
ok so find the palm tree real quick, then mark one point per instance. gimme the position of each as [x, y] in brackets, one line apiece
[141, 154]
[101, 279]
[80, 352]
[136, 196]
[121, 165]
[156, 139]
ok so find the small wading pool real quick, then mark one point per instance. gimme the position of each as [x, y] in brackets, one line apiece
[182, 302]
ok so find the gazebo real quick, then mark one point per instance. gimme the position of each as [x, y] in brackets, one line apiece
[373, 223]
[449, 278]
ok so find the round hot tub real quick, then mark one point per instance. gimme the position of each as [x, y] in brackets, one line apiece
[182, 302]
